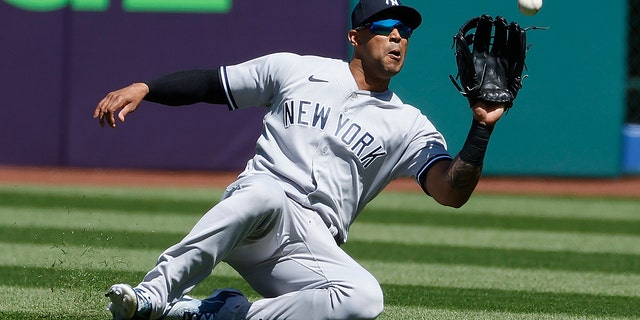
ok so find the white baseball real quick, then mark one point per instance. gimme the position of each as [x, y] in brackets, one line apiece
[529, 7]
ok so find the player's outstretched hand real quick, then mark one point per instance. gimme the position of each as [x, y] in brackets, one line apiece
[128, 99]
[488, 112]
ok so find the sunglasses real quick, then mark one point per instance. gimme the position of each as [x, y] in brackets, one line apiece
[385, 27]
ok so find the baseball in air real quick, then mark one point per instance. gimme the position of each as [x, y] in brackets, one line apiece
[529, 7]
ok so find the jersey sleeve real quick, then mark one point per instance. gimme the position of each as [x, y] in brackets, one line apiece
[255, 82]
[426, 147]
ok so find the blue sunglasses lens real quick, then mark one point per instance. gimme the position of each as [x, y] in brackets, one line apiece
[385, 27]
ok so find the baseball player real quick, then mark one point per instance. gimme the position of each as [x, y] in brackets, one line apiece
[334, 136]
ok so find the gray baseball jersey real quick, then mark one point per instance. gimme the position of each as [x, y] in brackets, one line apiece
[327, 148]
[332, 146]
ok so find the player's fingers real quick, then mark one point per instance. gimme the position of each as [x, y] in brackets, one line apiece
[101, 110]
[129, 108]
[96, 112]
[101, 121]
[122, 115]
[104, 113]
[110, 106]
[111, 119]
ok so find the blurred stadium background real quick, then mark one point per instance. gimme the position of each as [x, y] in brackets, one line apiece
[577, 116]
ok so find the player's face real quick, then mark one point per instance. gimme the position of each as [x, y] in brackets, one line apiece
[383, 55]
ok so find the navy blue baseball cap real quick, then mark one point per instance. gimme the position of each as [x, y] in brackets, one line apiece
[367, 11]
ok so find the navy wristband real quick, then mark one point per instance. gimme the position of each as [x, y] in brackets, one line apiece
[475, 146]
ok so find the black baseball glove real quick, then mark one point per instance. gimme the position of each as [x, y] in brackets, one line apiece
[492, 70]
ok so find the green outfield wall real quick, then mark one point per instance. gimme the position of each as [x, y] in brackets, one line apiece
[568, 118]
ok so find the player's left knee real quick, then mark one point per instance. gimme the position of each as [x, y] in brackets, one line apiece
[364, 302]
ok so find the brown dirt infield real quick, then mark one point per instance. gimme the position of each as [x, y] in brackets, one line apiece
[626, 187]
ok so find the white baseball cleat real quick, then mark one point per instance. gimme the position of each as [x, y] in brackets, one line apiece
[228, 303]
[186, 305]
[127, 303]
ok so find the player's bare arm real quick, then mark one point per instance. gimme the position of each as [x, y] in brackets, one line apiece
[451, 182]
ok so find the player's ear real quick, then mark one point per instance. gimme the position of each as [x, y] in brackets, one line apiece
[353, 37]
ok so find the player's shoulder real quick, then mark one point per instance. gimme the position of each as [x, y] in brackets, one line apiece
[403, 106]
[295, 58]
[411, 111]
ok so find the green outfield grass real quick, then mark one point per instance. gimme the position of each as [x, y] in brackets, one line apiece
[499, 257]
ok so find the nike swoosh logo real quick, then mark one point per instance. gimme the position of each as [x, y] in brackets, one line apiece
[314, 79]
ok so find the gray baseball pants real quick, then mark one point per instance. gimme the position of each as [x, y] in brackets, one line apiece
[283, 250]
